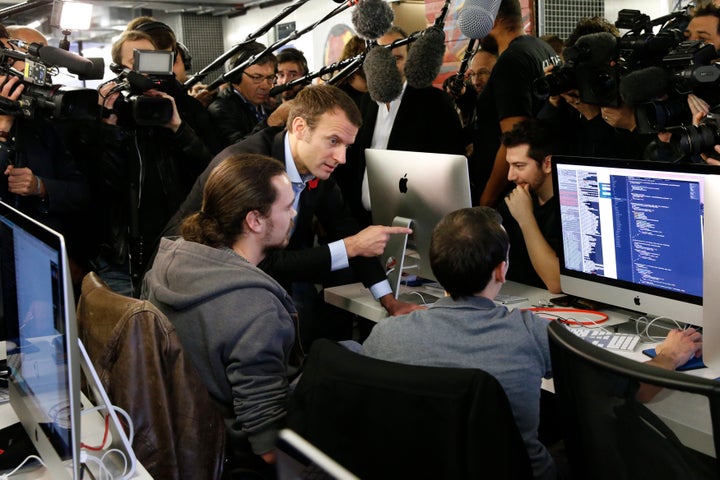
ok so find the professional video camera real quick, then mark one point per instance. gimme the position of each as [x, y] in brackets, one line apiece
[40, 97]
[588, 68]
[598, 62]
[152, 70]
[689, 68]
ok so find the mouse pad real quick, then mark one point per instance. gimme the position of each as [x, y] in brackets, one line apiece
[692, 364]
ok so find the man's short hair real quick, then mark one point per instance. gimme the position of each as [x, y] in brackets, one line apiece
[708, 11]
[163, 36]
[248, 51]
[586, 26]
[127, 36]
[293, 55]
[466, 246]
[510, 14]
[313, 101]
[539, 135]
[236, 186]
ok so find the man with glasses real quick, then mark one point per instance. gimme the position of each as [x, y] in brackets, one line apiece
[241, 104]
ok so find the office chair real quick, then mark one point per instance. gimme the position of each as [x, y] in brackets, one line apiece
[179, 432]
[387, 420]
[608, 433]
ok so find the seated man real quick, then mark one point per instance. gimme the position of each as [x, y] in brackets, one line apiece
[236, 323]
[529, 211]
[468, 255]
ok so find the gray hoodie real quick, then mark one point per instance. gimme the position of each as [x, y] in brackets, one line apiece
[236, 324]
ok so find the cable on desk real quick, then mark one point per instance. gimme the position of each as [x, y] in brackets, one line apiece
[553, 313]
[6, 476]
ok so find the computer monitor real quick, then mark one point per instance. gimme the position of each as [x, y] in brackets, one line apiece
[634, 233]
[421, 187]
[38, 308]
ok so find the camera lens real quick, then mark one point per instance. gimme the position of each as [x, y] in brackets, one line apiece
[698, 139]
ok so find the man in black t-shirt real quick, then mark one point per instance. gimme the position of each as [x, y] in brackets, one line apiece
[529, 211]
[507, 99]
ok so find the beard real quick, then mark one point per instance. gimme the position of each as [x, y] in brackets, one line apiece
[270, 245]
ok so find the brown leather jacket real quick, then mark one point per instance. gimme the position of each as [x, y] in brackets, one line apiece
[179, 432]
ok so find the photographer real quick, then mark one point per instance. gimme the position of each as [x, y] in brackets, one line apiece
[40, 175]
[144, 169]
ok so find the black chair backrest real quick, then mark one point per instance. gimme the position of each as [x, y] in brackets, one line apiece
[611, 435]
[387, 420]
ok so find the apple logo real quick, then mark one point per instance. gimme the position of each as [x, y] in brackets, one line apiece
[402, 184]
[636, 300]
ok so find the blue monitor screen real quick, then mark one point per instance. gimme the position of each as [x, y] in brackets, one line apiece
[633, 233]
[629, 226]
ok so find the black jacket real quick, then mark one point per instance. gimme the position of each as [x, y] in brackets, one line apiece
[231, 117]
[300, 261]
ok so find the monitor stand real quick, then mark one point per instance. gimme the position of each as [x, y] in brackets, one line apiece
[394, 254]
[118, 440]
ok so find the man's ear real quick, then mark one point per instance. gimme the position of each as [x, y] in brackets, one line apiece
[547, 164]
[254, 222]
[500, 272]
[298, 126]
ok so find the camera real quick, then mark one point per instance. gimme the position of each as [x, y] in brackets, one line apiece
[688, 68]
[152, 70]
[701, 138]
[40, 97]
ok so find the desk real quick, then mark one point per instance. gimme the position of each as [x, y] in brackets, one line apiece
[686, 414]
[92, 428]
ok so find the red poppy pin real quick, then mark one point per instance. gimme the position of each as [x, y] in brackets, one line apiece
[312, 184]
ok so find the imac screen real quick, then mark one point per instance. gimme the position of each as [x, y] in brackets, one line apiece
[632, 233]
[40, 328]
[423, 187]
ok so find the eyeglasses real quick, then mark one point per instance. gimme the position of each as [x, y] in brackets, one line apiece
[482, 73]
[258, 79]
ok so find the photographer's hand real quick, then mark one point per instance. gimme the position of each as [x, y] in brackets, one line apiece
[12, 91]
[107, 101]
[175, 121]
[22, 181]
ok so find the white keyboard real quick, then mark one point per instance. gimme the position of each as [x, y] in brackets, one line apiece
[605, 339]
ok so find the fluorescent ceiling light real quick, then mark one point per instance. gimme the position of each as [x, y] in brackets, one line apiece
[75, 16]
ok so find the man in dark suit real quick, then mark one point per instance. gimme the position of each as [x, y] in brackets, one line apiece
[420, 120]
[322, 123]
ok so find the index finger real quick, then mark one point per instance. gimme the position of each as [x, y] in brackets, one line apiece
[393, 230]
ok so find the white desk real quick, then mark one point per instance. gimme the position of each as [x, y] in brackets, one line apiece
[688, 415]
[92, 429]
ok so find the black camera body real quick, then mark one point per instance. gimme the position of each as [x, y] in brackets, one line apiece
[153, 70]
[41, 98]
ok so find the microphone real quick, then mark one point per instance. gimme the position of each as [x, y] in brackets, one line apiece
[645, 85]
[75, 64]
[593, 49]
[383, 77]
[372, 18]
[425, 58]
[477, 17]
[97, 72]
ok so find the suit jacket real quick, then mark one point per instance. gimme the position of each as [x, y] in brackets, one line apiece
[300, 261]
[231, 116]
[426, 122]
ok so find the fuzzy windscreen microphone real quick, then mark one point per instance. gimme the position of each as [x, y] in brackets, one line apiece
[383, 77]
[644, 85]
[425, 58]
[372, 18]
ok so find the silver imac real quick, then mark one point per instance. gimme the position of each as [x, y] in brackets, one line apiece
[415, 188]
[42, 355]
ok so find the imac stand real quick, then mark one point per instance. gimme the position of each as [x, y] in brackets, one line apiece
[393, 258]
[122, 463]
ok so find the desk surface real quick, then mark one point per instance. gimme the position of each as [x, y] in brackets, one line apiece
[92, 430]
[688, 415]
